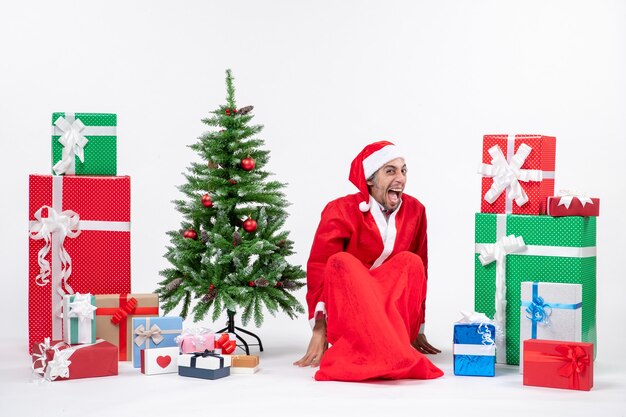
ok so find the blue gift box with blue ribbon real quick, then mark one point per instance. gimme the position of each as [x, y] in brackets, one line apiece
[550, 311]
[474, 349]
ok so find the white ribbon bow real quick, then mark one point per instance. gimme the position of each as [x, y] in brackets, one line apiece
[58, 367]
[568, 195]
[504, 246]
[144, 335]
[198, 336]
[66, 224]
[81, 307]
[73, 143]
[507, 174]
[473, 317]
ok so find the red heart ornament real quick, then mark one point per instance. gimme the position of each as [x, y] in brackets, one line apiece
[163, 361]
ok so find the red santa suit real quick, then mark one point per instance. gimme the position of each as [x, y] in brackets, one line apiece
[367, 274]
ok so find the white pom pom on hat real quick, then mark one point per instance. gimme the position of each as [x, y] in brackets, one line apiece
[367, 162]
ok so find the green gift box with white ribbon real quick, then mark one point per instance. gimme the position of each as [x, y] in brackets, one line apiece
[79, 319]
[511, 249]
[84, 144]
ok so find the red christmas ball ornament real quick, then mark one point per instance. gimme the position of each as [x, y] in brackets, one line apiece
[251, 284]
[279, 284]
[232, 181]
[234, 110]
[206, 201]
[248, 164]
[227, 111]
[211, 287]
[190, 234]
[249, 225]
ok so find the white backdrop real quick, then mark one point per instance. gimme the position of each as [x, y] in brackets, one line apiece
[325, 78]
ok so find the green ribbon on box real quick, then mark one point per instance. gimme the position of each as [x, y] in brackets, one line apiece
[557, 249]
[84, 143]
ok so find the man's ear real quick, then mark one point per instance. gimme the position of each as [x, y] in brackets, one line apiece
[369, 183]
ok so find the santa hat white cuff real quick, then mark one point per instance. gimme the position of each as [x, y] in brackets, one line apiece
[375, 161]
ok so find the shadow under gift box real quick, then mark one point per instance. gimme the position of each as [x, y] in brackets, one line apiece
[95, 213]
[114, 317]
[86, 361]
[557, 249]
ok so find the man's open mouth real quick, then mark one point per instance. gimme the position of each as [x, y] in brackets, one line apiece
[393, 195]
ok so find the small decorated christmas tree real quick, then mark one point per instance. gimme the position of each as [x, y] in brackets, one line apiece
[230, 253]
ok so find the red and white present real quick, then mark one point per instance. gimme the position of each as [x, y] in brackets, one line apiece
[57, 360]
[572, 203]
[558, 364]
[518, 173]
[159, 360]
[79, 242]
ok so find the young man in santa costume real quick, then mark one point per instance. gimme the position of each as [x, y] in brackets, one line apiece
[366, 278]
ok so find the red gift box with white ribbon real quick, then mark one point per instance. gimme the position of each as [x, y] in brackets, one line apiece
[57, 360]
[518, 173]
[79, 242]
[572, 203]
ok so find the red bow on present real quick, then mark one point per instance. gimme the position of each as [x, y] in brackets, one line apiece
[228, 346]
[123, 312]
[576, 361]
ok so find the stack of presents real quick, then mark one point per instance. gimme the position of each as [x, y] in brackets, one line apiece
[82, 316]
[535, 271]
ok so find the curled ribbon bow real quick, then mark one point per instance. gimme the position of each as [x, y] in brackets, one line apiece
[508, 174]
[65, 224]
[73, 143]
[81, 307]
[568, 195]
[538, 310]
[143, 334]
[58, 367]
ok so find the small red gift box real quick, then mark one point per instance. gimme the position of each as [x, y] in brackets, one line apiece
[558, 364]
[57, 360]
[571, 204]
[79, 242]
[518, 173]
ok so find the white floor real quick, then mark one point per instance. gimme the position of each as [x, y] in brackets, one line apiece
[282, 389]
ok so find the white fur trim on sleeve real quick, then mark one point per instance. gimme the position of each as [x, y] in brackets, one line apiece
[320, 307]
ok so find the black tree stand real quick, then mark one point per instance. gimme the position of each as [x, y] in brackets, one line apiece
[231, 328]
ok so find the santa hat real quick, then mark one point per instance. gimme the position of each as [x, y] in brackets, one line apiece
[367, 162]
